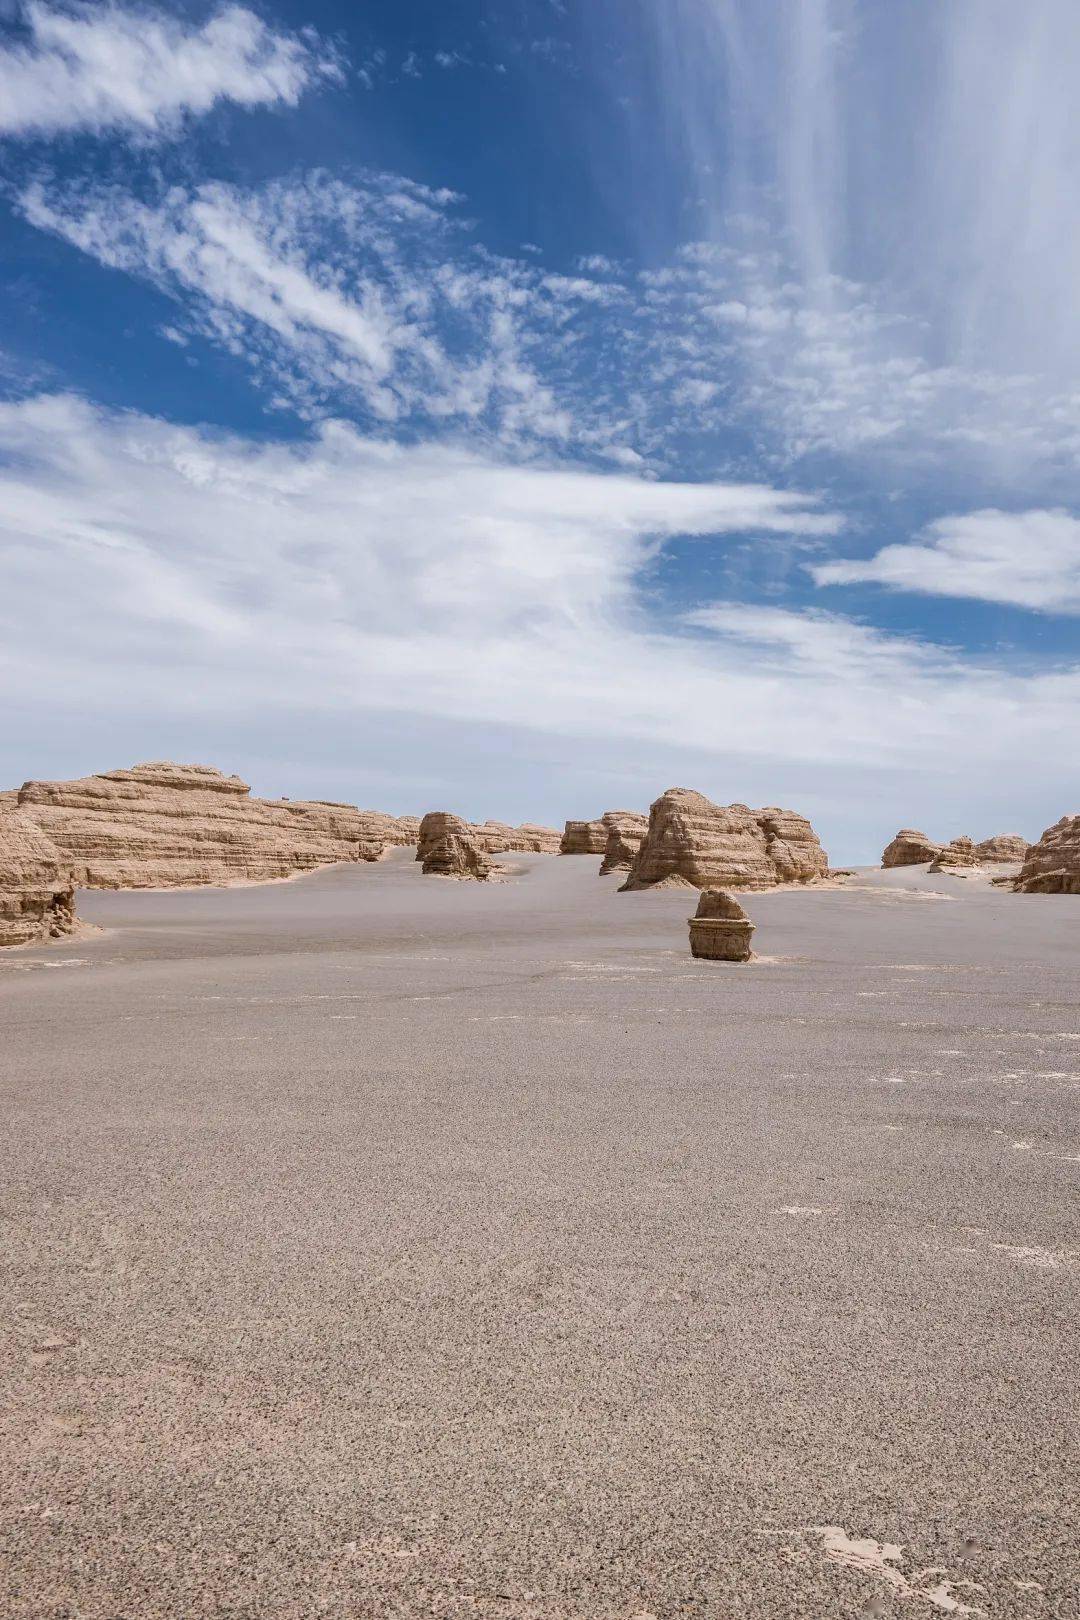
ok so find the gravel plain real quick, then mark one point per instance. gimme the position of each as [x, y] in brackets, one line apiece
[379, 1245]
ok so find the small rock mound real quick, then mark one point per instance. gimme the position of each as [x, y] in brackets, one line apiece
[694, 843]
[909, 848]
[37, 890]
[1052, 866]
[720, 930]
[446, 847]
[955, 856]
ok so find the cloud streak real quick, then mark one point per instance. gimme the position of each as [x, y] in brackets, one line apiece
[106, 68]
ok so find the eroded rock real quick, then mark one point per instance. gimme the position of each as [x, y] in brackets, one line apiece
[624, 837]
[1004, 848]
[447, 848]
[720, 929]
[697, 844]
[37, 890]
[1052, 866]
[955, 856]
[909, 848]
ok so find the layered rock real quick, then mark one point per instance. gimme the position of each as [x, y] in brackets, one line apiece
[1052, 866]
[497, 838]
[37, 891]
[694, 843]
[161, 825]
[1006, 848]
[955, 856]
[909, 848]
[446, 847]
[591, 837]
[720, 930]
[624, 835]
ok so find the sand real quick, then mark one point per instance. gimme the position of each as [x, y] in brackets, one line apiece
[375, 1246]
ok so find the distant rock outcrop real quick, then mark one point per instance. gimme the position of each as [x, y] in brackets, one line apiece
[447, 847]
[496, 838]
[1052, 866]
[909, 848]
[161, 825]
[37, 891]
[694, 843]
[955, 856]
[625, 831]
[1006, 848]
[591, 837]
[720, 929]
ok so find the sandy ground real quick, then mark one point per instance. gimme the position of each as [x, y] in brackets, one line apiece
[377, 1246]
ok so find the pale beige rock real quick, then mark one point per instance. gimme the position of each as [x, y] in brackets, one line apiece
[694, 843]
[446, 847]
[591, 837]
[625, 831]
[955, 856]
[720, 929]
[1052, 866]
[161, 825]
[497, 838]
[1006, 848]
[37, 891]
[909, 848]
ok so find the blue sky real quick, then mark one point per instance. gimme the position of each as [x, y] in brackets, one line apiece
[523, 407]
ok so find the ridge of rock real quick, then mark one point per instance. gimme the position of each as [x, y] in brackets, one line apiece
[694, 843]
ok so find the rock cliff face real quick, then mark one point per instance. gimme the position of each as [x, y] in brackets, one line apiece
[955, 856]
[625, 831]
[162, 825]
[37, 893]
[909, 848]
[1052, 866]
[496, 838]
[694, 843]
[446, 847]
[1007, 848]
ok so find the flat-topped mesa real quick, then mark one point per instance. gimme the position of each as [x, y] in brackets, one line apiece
[625, 831]
[591, 837]
[720, 930]
[37, 891]
[909, 848]
[1052, 866]
[693, 843]
[447, 848]
[956, 856]
[1004, 848]
[161, 825]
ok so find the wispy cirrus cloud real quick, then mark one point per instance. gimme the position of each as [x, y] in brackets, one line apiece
[108, 67]
[1026, 559]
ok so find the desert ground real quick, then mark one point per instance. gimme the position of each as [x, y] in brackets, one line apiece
[381, 1245]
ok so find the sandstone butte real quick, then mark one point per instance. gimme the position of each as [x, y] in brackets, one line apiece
[1052, 866]
[37, 887]
[694, 843]
[161, 825]
[955, 856]
[911, 848]
[624, 837]
[591, 837]
[447, 847]
[720, 930]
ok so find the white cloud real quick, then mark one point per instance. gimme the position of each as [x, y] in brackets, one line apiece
[1027, 559]
[350, 575]
[111, 67]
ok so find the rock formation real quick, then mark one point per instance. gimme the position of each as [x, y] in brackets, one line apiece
[625, 831]
[161, 825]
[446, 846]
[1007, 848]
[720, 929]
[909, 848]
[37, 891]
[591, 837]
[1052, 866]
[955, 856]
[694, 843]
[496, 838]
